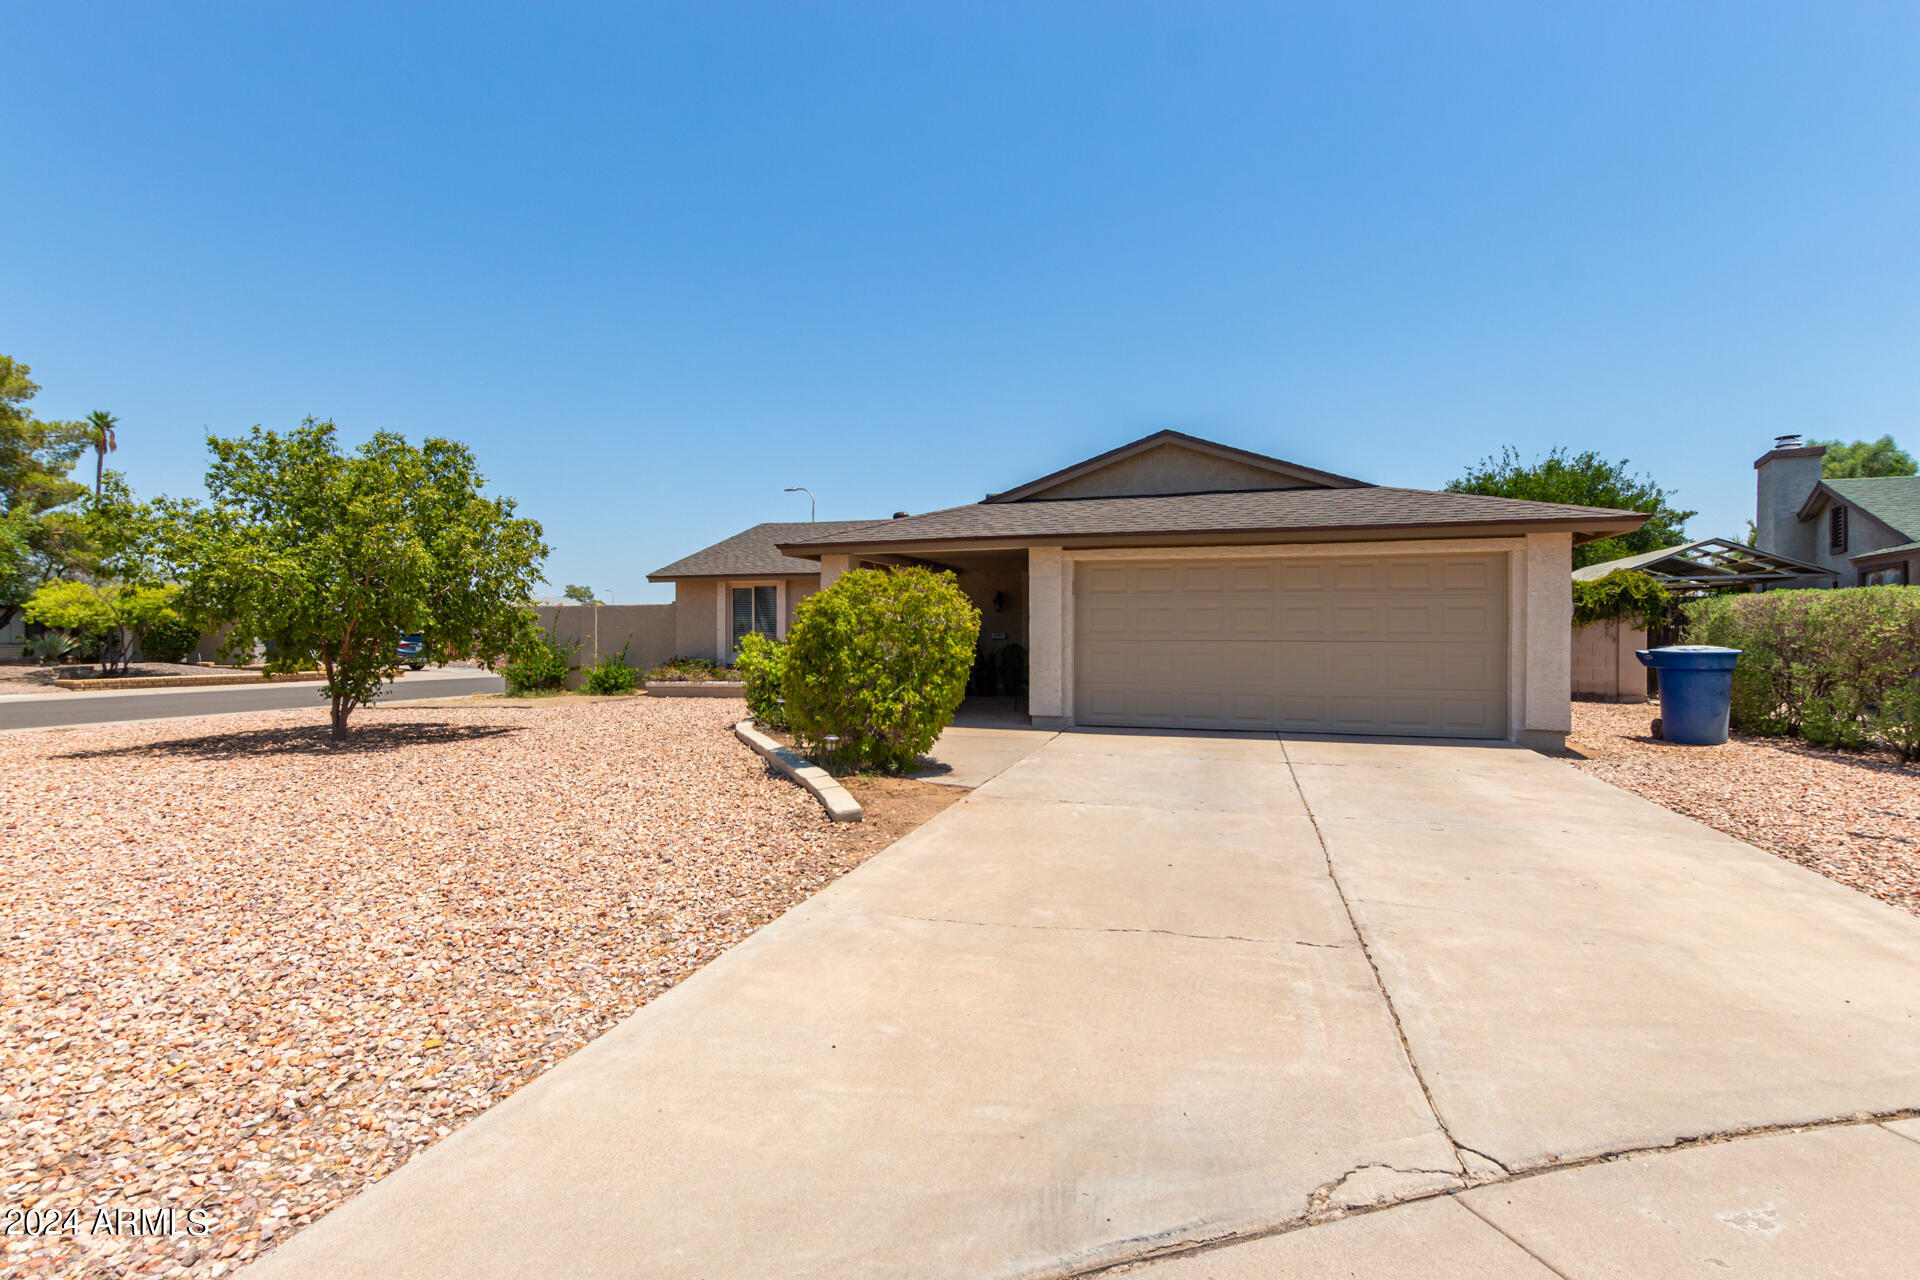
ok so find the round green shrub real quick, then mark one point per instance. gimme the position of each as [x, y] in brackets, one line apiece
[541, 667]
[612, 675]
[880, 660]
[169, 640]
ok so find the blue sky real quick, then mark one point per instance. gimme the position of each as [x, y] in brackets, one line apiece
[657, 263]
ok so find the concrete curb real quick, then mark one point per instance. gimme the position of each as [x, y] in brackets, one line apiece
[187, 682]
[839, 803]
[696, 689]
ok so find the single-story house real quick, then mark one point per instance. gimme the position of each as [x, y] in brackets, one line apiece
[1864, 532]
[1177, 582]
[743, 584]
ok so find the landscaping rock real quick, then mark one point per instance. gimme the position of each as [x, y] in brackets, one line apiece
[249, 972]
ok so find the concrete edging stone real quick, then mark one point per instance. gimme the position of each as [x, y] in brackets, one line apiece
[838, 801]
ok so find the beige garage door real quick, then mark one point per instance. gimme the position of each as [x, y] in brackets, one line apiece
[1346, 644]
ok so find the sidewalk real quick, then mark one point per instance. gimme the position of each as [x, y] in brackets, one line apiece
[1835, 1201]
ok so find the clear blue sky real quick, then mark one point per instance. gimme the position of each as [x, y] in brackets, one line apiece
[655, 264]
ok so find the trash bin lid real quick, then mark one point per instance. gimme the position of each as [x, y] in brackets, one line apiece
[1709, 657]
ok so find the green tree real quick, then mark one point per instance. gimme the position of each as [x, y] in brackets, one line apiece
[1880, 457]
[121, 536]
[101, 424]
[116, 611]
[579, 594]
[325, 556]
[1587, 480]
[43, 536]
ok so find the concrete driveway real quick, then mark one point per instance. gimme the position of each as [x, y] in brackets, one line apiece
[1143, 992]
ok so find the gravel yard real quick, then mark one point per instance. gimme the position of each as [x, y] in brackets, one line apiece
[1853, 817]
[247, 972]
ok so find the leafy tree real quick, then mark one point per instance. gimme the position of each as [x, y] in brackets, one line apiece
[116, 611]
[1880, 457]
[120, 537]
[42, 536]
[101, 424]
[579, 594]
[1588, 480]
[325, 556]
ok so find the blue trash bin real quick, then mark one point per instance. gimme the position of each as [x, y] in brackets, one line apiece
[1696, 691]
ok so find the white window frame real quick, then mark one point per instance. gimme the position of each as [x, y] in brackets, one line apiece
[723, 612]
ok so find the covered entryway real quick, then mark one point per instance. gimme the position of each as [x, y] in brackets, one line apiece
[1376, 644]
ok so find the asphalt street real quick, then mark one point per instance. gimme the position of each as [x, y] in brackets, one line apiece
[56, 710]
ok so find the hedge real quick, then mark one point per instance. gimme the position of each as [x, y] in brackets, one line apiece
[1838, 668]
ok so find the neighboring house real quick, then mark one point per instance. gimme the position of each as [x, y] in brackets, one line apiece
[1176, 582]
[1865, 532]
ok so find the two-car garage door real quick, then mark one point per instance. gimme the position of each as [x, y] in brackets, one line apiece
[1346, 644]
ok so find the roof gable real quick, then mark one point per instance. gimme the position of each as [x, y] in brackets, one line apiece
[1892, 500]
[1172, 462]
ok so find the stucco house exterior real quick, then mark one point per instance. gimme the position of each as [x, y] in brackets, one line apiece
[743, 584]
[1178, 582]
[1864, 532]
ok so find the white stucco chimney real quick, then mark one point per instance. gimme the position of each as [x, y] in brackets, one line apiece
[1787, 474]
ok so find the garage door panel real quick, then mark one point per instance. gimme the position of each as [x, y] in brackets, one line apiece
[1403, 645]
[1477, 574]
[1203, 620]
[1251, 577]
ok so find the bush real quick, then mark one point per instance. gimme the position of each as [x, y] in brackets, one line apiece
[880, 660]
[1838, 668]
[612, 674]
[763, 667]
[542, 667]
[1624, 593]
[169, 640]
[52, 647]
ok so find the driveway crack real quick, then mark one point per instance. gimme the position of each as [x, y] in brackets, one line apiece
[1386, 996]
[1082, 928]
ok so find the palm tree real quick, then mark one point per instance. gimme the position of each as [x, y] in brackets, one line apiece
[103, 424]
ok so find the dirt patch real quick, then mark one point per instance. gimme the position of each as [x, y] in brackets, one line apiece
[247, 971]
[1852, 816]
[893, 807]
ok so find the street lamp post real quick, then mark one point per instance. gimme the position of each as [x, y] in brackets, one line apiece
[812, 506]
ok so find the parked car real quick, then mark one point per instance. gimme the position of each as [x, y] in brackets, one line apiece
[413, 650]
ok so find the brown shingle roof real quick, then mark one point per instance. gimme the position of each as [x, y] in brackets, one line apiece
[754, 553]
[1258, 511]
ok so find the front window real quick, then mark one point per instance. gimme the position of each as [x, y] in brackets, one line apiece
[755, 609]
[1893, 576]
